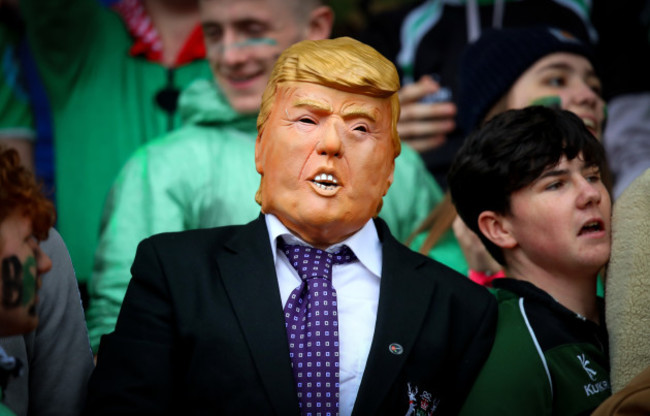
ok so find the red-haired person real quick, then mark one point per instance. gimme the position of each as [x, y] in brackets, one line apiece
[42, 322]
[26, 216]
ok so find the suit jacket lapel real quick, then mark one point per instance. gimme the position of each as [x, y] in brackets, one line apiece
[249, 276]
[403, 303]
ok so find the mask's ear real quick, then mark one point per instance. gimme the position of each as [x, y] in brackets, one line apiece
[496, 228]
[391, 177]
[259, 153]
[321, 20]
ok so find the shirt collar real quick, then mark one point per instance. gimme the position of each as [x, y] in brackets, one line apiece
[528, 290]
[364, 243]
[146, 41]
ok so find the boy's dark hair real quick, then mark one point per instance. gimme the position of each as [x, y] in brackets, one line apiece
[509, 153]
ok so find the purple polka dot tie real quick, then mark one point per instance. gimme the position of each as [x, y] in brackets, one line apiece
[312, 328]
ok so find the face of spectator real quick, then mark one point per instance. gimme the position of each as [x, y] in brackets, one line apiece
[326, 158]
[569, 77]
[23, 263]
[243, 38]
[561, 221]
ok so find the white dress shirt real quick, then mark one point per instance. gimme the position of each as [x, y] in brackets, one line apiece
[357, 293]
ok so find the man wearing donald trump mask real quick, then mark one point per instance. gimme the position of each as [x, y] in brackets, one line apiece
[314, 307]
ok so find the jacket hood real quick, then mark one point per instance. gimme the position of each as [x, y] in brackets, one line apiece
[202, 103]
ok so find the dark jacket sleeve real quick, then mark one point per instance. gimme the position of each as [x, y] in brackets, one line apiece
[134, 373]
[476, 343]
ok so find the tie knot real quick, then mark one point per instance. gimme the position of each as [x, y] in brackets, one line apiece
[312, 262]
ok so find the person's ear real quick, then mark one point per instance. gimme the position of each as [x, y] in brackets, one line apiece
[495, 227]
[321, 20]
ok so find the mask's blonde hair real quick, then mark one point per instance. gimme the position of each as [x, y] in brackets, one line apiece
[343, 64]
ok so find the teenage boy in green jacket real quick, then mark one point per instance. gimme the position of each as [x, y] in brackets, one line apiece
[530, 184]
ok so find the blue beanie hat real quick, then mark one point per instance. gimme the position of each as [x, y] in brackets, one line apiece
[491, 65]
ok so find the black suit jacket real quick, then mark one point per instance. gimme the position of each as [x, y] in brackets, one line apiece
[201, 331]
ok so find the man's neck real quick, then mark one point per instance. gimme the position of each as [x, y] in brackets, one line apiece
[174, 20]
[574, 291]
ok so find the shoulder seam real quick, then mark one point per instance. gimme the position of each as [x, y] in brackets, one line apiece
[537, 346]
